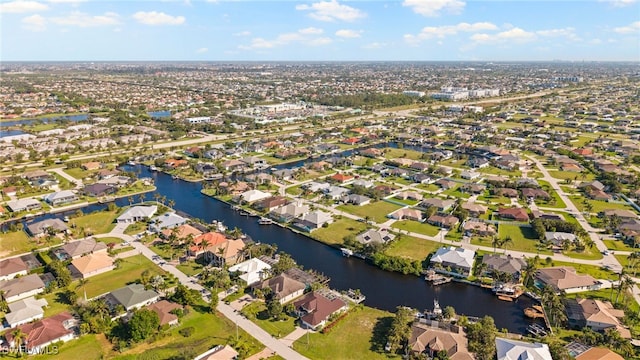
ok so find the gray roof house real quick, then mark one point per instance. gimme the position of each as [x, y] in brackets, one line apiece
[289, 212]
[137, 213]
[25, 311]
[504, 263]
[10, 268]
[459, 260]
[22, 287]
[166, 221]
[314, 220]
[61, 197]
[558, 238]
[40, 228]
[356, 199]
[24, 205]
[440, 204]
[76, 249]
[375, 236]
[132, 296]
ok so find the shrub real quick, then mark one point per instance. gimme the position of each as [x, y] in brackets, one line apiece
[186, 332]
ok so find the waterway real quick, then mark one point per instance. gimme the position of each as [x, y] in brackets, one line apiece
[45, 120]
[5, 133]
[159, 114]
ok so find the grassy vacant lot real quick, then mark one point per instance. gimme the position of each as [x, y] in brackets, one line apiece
[87, 347]
[257, 312]
[416, 227]
[335, 233]
[57, 302]
[572, 175]
[618, 245]
[376, 211]
[107, 240]
[135, 228]
[428, 187]
[524, 239]
[495, 171]
[80, 174]
[128, 272]
[15, 242]
[360, 335]
[190, 268]
[598, 205]
[412, 248]
[595, 271]
[98, 222]
[402, 153]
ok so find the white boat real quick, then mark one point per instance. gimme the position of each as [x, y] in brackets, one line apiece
[265, 221]
[346, 252]
[153, 168]
[65, 219]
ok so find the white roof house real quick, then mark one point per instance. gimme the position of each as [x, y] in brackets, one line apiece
[165, 221]
[137, 213]
[455, 258]
[253, 196]
[60, 197]
[23, 204]
[252, 269]
[519, 350]
[25, 311]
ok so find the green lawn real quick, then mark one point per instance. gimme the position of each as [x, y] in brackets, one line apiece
[129, 271]
[587, 254]
[618, 245]
[595, 271]
[56, 302]
[15, 242]
[99, 222]
[257, 312]
[86, 347]
[598, 205]
[135, 228]
[294, 190]
[391, 153]
[556, 202]
[495, 171]
[190, 268]
[360, 335]
[335, 233]
[563, 175]
[416, 227]
[428, 187]
[524, 239]
[80, 174]
[377, 211]
[107, 240]
[412, 248]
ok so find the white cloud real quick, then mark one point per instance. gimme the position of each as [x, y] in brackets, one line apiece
[440, 32]
[374, 45]
[512, 35]
[432, 8]
[347, 33]
[34, 23]
[620, 3]
[629, 29]
[306, 36]
[66, 1]
[568, 32]
[331, 11]
[242, 33]
[81, 19]
[202, 50]
[22, 6]
[157, 18]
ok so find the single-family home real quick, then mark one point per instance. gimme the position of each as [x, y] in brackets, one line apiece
[598, 353]
[517, 214]
[42, 333]
[91, 265]
[477, 227]
[60, 197]
[175, 163]
[133, 296]
[23, 205]
[289, 212]
[220, 352]
[314, 220]
[506, 192]
[46, 226]
[76, 249]
[91, 165]
[341, 178]
[446, 184]
[315, 309]
[469, 175]
[164, 310]
[439, 204]
[137, 213]
[559, 238]
[252, 196]
[443, 220]
[474, 209]
[271, 203]
[283, 287]
[477, 162]
[411, 195]
[373, 236]
[97, 190]
[508, 349]
[182, 232]
[335, 192]
[367, 184]
[166, 221]
[453, 261]
[355, 199]
[251, 271]
[406, 213]
[595, 314]
[10, 268]
[21, 287]
[504, 264]
[36, 175]
[25, 311]
[565, 278]
[621, 213]
[432, 340]
[534, 193]
[473, 188]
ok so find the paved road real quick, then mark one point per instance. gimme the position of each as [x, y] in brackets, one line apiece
[70, 178]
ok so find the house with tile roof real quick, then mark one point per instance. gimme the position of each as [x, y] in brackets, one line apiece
[283, 287]
[314, 309]
[565, 278]
[91, 265]
[504, 263]
[10, 268]
[164, 310]
[429, 341]
[599, 353]
[595, 314]
[21, 287]
[42, 333]
[76, 249]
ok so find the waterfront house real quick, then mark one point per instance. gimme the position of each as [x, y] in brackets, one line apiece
[60, 197]
[91, 265]
[98, 189]
[25, 311]
[565, 278]
[106, 174]
[116, 181]
[508, 349]
[407, 213]
[504, 264]
[517, 214]
[76, 249]
[429, 341]
[598, 353]
[91, 165]
[175, 163]
[283, 288]
[24, 205]
[203, 242]
[46, 226]
[137, 213]
[251, 196]
[182, 232]
[314, 220]
[166, 221]
[314, 309]
[453, 261]
[21, 287]
[42, 333]
[133, 296]
[251, 271]
[164, 309]
[271, 203]
[10, 268]
[289, 212]
[595, 314]
[373, 236]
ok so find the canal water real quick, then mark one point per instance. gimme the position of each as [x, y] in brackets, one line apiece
[5, 133]
[46, 120]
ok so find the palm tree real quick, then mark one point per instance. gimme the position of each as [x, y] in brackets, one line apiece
[157, 197]
[624, 284]
[81, 283]
[130, 198]
[204, 244]
[496, 242]
[141, 198]
[18, 338]
[171, 203]
[506, 242]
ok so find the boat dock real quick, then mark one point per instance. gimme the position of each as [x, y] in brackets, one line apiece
[436, 279]
[537, 330]
[534, 312]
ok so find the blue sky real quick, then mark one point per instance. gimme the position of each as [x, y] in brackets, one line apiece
[322, 30]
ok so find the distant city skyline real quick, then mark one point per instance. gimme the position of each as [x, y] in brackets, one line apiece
[327, 30]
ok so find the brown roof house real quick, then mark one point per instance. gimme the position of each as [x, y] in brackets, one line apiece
[91, 265]
[315, 309]
[517, 214]
[283, 287]
[10, 268]
[598, 353]
[22, 287]
[45, 332]
[564, 278]
[164, 310]
[443, 220]
[430, 341]
[406, 213]
[77, 249]
[595, 314]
